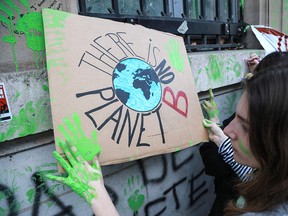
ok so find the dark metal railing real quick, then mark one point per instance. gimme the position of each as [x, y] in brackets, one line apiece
[209, 24]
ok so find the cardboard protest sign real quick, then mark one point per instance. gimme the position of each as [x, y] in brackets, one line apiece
[124, 87]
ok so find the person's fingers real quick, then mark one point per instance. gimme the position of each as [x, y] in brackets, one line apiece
[207, 123]
[211, 94]
[54, 178]
[62, 162]
[75, 153]
[95, 163]
[206, 105]
[68, 153]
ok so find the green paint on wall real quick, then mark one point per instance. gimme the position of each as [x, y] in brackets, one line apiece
[30, 195]
[136, 198]
[176, 58]
[45, 88]
[285, 5]
[237, 69]
[73, 133]
[242, 4]
[27, 121]
[30, 24]
[214, 70]
[17, 95]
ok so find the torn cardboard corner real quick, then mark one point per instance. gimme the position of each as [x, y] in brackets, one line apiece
[267, 38]
[124, 87]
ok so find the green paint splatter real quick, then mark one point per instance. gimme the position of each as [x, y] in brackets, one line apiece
[175, 57]
[28, 169]
[135, 199]
[242, 4]
[214, 70]
[16, 95]
[190, 143]
[237, 69]
[30, 195]
[285, 5]
[74, 134]
[28, 120]
[243, 148]
[45, 88]
[30, 24]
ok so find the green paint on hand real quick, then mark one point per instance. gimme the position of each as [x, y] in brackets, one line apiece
[74, 134]
[80, 173]
[243, 148]
[177, 60]
[136, 199]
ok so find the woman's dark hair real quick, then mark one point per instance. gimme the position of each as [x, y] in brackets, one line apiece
[267, 95]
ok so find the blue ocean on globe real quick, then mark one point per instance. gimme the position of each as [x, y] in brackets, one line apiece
[137, 85]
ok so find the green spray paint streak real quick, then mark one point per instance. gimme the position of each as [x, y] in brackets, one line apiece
[285, 6]
[243, 148]
[7, 9]
[242, 3]
[136, 199]
[74, 134]
[30, 24]
[54, 21]
[175, 57]
[28, 120]
[214, 70]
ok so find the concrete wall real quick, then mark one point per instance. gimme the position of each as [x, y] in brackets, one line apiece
[170, 184]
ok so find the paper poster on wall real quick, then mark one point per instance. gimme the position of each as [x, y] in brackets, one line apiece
[270, 39]
[123, 87]
[5, 112]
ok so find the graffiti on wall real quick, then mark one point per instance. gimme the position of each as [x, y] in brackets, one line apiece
[139, 193]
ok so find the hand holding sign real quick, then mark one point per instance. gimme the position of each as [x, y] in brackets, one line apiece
[82, 177]
[211, 108]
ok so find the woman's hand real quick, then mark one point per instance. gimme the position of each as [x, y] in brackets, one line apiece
[211, 109]
[82, 178]
[216, 134]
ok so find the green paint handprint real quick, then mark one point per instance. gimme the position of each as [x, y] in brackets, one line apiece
[136, 199]
[214, 70]
[74, 134]
[82, 178]
[175, 56]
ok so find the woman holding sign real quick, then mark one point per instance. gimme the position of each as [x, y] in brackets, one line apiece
[258, 135]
